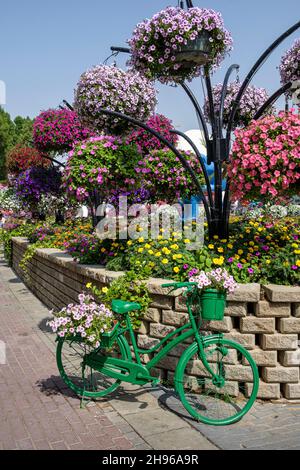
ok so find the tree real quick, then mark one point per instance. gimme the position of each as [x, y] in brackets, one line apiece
[7, 132]
[23, 131]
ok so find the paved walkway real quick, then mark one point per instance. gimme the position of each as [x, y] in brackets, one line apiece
[37, 411]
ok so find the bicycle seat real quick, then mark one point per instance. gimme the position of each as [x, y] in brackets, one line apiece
[123, 306]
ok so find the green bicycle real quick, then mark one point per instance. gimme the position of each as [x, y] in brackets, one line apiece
[216, 379]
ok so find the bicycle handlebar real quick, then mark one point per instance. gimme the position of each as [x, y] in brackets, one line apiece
[178, 285]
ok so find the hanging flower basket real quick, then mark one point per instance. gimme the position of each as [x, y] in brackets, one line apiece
[108, 87]
[174, 44]
[195, 52]
[252, 99]
[290, 65]
[213, 303]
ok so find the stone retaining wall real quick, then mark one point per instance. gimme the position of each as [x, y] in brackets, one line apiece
[264, 319]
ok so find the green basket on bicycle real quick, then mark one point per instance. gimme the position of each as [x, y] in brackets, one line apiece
[212, 304]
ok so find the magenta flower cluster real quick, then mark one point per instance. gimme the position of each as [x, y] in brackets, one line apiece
[156, 41]
[146, 141]
[265, 160]
[87, 320]
[290, 64]
[57, 130]
[165, 177]
[251, 101]
[218, 279]
[108, 87]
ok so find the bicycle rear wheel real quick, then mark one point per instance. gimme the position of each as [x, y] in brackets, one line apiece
[87, 382]
[231, 397]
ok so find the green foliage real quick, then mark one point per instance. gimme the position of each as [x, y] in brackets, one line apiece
[6, 139]
[130, 287]
[6, 236]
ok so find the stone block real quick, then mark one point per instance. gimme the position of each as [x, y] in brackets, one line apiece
[263, 358]
[246, 293]
[296, 309]
[144, 342]
[289, 358]
[291, 391]
[289, 325]
[157, 330]
[266, 391]
[161, 301]
[180, 305]
[252, 324]
[280, 374]
[263, 308]
[144, 328]
[236, 309]
[170, 317]
[224, 325]
[278, 293]
[246, 339]
[238, 372]
[152, 315]
[279, 341]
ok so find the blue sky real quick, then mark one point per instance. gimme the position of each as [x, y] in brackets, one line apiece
[46, 45]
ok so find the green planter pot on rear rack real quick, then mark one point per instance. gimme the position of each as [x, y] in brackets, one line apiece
[213, 303]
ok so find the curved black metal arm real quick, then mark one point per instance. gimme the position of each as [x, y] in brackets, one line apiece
[126, 50]
[201, 161]
[167, 144]
[54, 161]
[198, 110]
[189, 4]
[251, 74]
[211, 105]
[223, 93]
[272, 99]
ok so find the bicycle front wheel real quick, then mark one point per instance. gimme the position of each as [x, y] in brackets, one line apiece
[226, 399]
[87, 381]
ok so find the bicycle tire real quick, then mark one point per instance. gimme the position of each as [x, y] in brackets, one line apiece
[69, 356]
[213, 404]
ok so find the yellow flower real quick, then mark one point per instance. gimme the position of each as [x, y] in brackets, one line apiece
[251, 243]
[103, 250]
[224, 240]
[151, 264]
[187, 240]
[240, 252]
[237, 256]
[268, 261]
[159, 237]
[176, 269]
[141, 250]
[162, 230]
[158, 254]
[297, 252]
[165, 261]
[166, 251]
[89, 285]
[141, 239]
[129, 242]
[174, 246]
[229, 245]
[211, 247]
[221, 250]
[218, 261]
[150, 252]
[147, 245]
[298, 262]
[295, 245]
[104, 290]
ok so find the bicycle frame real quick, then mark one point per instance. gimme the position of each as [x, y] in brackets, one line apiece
[192, 331]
